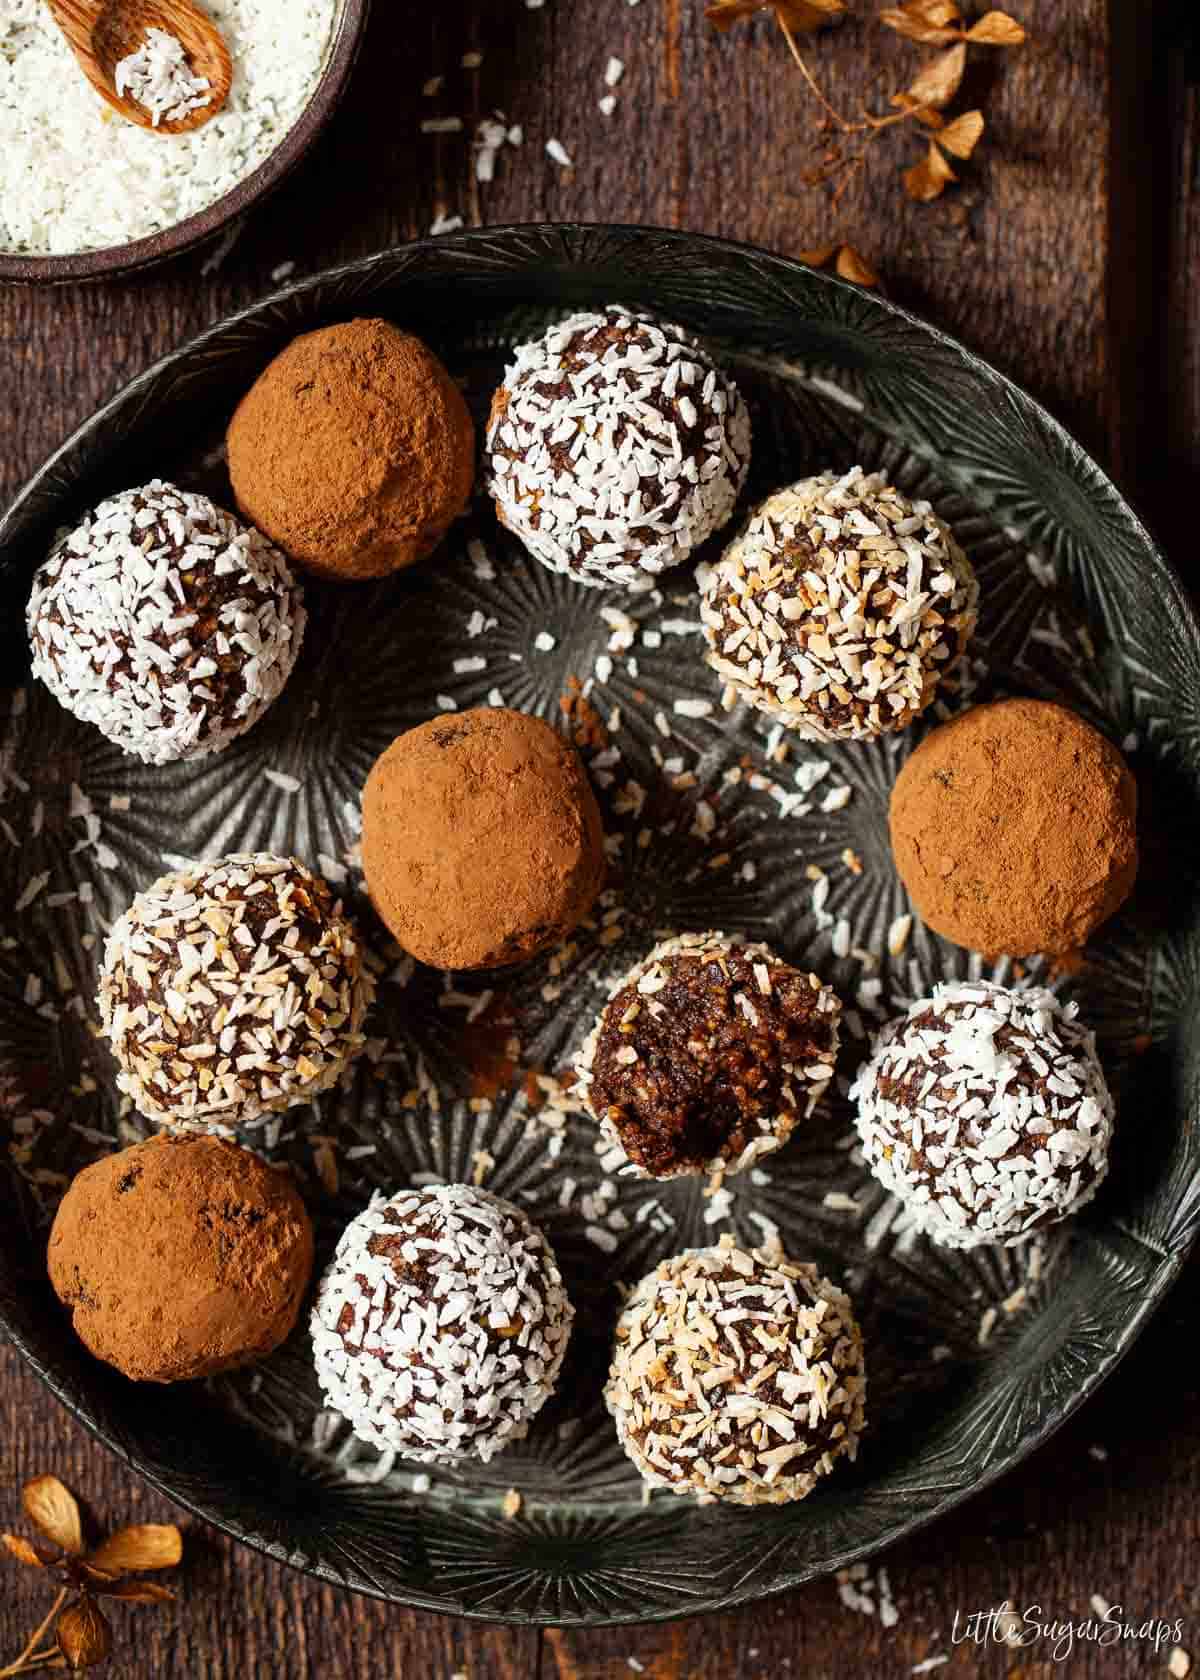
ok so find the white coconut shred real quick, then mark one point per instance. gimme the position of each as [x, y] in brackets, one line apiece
[74, 176]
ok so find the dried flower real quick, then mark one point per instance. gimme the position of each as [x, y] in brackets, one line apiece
[82, 1635]
[847, 262]
[929, 22]
[937, 83]
[928, 179]
[936, 22]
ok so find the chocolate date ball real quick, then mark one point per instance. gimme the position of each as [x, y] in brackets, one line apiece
[232, 990]
[985, 1110]
[737, 1376]
[1014, 829]
[706, 1055]
[839, 607]
[166, 623]
[441, 1324]
[482, 841]
[354, 450]
[615, 446]
[181, 1257]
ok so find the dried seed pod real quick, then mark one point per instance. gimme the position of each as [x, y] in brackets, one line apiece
[84, 1636]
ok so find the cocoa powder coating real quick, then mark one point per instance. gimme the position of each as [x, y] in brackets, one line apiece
[353, 450]
[181, 1257]
[482, 841]
[1014, 829]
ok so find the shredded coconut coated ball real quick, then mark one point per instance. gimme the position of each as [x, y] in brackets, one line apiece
[839, 607]
[615, 446]
[985, 1110]
[737, 1376]
[232, 990]
[441, 1324]
[166, 623]
[707, 1055]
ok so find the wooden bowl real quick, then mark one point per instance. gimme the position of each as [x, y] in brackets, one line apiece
[110, 261]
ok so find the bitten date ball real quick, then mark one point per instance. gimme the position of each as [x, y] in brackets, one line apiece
[166, 623]
[1014, 829]
[441, 1324]
[839, 607]
[707, 1054]
[231, 990]
[738, 1376]
[354, 450]
[985, 1110]
[615, 446]
[482, 841]
[181, 1257]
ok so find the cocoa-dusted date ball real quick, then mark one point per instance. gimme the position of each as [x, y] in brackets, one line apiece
[482, 841]
[181, 1257]
[707, 1054]
[1014, 829]
[354, 450]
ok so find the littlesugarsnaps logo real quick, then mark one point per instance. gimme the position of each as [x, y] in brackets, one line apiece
[1109, 1624]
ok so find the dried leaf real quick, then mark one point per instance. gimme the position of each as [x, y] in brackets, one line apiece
[84, 1636]
[140, 1592]
[819, 257]
[961, 136]
[916, 29]
[143, 1546]
[97, 1577]
[55, 1510]
[927, 180]
[24, 1550]
[934, 12]
[996, 29]
[800, 16]
[851, 266]
[803, 16]
[938, 82]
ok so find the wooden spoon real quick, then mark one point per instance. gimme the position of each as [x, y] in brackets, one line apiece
[102, 32]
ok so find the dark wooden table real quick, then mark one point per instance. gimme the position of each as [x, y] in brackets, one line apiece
[1070, 257]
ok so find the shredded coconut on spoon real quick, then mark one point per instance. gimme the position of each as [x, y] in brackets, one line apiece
[160, 79]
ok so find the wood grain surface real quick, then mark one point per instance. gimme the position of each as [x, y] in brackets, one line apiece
[1068, 256]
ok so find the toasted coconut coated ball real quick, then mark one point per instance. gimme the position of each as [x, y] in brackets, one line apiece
[985, 1110]
[615, 446]
[441, 1324]
[737, 1375]
[166, 623]
[181, 1257]
[231, 990]
[707, 1054]
[839, 607]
